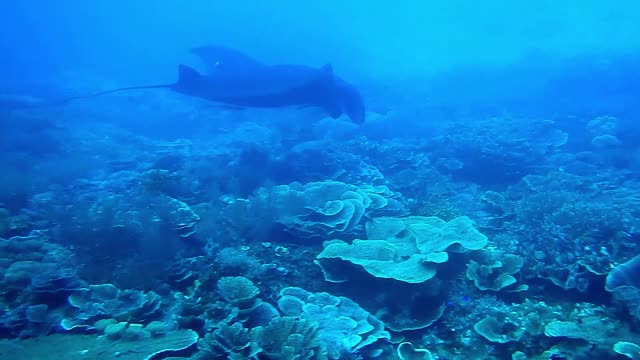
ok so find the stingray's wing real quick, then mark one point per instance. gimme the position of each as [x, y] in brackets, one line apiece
[273, 80]
[241, 74]
[220, 59]
[237, 79]
[350, 100]
[282, 85]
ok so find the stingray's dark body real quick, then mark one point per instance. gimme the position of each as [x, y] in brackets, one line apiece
[236, 79]
[233, 78]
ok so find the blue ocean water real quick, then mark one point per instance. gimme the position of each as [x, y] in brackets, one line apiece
[320, 180]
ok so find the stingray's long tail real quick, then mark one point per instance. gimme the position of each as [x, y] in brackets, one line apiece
[124, 89]
[70, 99]
[10, 101]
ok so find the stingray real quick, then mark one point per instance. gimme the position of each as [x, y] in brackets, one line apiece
[236, 79]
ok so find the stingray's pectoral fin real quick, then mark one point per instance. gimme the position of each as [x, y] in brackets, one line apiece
[188, 76]
[333, 109]
[352, 102]
[327, 69]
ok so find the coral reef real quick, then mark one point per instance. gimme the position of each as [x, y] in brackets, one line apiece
[502, 237]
